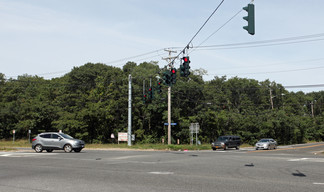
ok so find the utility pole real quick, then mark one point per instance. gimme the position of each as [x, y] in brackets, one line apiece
[129, 139]
[312, 108]
[169, 59]
[271, 99]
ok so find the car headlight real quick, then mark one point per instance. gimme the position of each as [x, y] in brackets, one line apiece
[222, 144]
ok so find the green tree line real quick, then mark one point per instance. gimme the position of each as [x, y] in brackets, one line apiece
[91, 102]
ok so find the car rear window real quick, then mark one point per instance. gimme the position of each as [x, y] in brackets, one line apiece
[45, 136]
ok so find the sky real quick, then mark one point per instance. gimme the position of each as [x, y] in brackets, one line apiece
[49, 38]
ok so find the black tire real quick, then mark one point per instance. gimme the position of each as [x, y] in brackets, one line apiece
[77, 150]
[237, 147]
[68, 148]
[39, 148]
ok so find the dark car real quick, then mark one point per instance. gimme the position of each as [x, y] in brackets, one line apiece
[56, 141]
[225, 142]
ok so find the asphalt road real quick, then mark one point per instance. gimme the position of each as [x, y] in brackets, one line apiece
[297, 168]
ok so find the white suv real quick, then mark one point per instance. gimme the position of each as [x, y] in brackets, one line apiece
[56, 141]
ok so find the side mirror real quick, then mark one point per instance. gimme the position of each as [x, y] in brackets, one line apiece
[60, 138]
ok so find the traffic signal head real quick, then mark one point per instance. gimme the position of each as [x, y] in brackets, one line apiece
[167, 78]
[250, 19]
[150, 93]
[159, 86]
[144, 98]
[173, 76]
[185, 67]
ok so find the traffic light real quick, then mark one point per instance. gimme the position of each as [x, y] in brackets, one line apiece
[173, 76]
[185, 67]
[167, 78]
[159, 86]
[150, 93]
[250, 19]
[144, 98]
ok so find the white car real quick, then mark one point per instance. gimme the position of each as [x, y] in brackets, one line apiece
[266, 143]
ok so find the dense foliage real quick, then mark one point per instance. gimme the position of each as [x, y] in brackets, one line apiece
[91, 103]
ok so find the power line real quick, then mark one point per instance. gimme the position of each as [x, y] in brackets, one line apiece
[271, 42]
[187, 46]
[217, 30]
[282, 71]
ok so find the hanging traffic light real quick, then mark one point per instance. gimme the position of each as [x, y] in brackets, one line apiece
[150, 93]
[167, 78]
[159, 86]
[250, 19]
[144, 98]
[185, 67]
[173, 76]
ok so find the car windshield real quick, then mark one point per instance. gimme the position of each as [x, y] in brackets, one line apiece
[222, 138]
[66, 136]
[264, 140]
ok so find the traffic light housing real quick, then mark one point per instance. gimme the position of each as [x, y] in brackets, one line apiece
[185, 67]
[150, 93]
[167, 78]
[173, 76]
[159, 86]
[250, 19]
[144, 98]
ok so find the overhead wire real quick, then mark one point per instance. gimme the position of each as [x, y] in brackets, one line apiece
[188, 44]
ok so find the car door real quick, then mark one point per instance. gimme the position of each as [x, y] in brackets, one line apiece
[57, 141]
[46, 140]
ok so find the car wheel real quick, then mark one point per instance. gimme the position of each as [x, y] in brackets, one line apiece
[38, 148]
[77, 150]
[256, 148]
[68, 148]
[49, 150]
[237, 147]
[225, 148]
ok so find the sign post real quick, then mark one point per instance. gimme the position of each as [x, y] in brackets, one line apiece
[13, 135]
[194, 128]
[29, 131]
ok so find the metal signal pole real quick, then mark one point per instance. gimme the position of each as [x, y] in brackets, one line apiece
[129, 139]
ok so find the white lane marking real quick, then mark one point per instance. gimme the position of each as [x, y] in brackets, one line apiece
[8, 154]
[318, 183]
[162, 173]
[300, 159]
[128, 157]
[319, 160]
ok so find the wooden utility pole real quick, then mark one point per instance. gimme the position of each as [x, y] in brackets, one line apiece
[169, 59]
[271, 99]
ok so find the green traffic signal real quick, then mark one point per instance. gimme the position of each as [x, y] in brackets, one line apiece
[250, 19]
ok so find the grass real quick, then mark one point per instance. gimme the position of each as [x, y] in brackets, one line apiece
[7, 145]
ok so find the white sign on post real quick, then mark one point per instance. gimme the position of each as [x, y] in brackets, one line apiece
[122, 137]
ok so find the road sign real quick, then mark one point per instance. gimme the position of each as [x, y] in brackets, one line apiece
[171, 123]
[122, 137]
